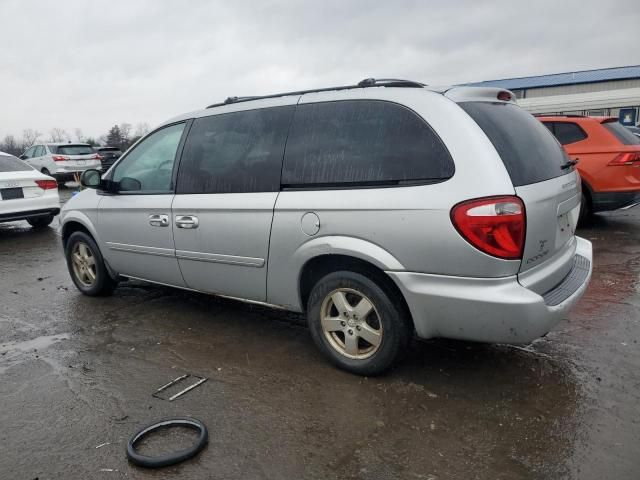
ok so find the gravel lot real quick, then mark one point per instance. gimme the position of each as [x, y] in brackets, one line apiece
[77, 374]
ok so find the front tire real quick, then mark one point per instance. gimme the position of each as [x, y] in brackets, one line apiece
[41, 221]
[86, 266]
[360, 326]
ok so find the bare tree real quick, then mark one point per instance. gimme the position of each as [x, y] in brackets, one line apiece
[79, 136]
[59, 135]
[29, 137]
[142, 129]
[10, 145]
[125, 133]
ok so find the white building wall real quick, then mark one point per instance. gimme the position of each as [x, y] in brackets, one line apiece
[583, 88]
[578, 102]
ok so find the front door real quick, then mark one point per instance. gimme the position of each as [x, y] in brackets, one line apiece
[135, 223]
[227, 187]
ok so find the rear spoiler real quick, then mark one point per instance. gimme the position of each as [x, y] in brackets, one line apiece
[480, 94]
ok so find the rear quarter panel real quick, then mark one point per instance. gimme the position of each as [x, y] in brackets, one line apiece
[397, 228]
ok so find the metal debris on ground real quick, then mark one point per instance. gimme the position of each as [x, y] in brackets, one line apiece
[174, 382]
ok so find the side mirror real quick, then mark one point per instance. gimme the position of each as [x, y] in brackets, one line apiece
[23, 157]
[90, 178]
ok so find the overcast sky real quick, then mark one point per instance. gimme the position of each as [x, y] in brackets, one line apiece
[92, 64]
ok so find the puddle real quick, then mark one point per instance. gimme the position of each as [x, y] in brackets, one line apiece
[39, 343]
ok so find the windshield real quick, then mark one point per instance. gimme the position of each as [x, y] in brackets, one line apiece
[10, 163]
[72, 150]
[528, 150]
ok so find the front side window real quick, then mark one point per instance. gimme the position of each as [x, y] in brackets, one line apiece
[149, 167]
[362, 143]
[29, 152]
[235, 152]
[39, 152]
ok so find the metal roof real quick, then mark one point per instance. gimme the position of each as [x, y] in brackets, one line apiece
[568, 78]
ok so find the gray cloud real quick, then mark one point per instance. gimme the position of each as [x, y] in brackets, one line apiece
[93, 64]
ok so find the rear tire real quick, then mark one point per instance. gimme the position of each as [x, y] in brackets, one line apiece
[86, 266]
[358, 325]
[41, 221]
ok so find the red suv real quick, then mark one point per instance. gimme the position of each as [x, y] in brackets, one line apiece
[608, 157]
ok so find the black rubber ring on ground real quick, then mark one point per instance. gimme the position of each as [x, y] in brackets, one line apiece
[171, 458]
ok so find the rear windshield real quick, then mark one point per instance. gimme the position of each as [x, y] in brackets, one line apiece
[72, 150]
[12, 164]
[622, 133]
[109, 150]
[528, 150]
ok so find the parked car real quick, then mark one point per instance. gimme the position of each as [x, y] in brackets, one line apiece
[26, 194]
[108, 156]
[378, 209]
[634, 130]
[608, 156]
[61, 160]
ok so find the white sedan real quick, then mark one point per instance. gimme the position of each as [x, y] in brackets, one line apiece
[26, 194]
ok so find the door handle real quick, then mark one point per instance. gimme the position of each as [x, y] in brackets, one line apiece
[156, 220]
[186, 221]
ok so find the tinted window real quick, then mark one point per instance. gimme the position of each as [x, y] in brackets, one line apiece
[621, 133]
[568, 132]
[149, 166]
[528, 150]
[73, 149]
[12, 164]
[362, 142]
[235, 152]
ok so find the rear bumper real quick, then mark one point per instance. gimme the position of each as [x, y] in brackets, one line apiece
[495, 310]
[605, 201]
[12, 217]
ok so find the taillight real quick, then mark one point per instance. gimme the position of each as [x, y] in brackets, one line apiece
[59, 158]
[627, 158]
[96, 157]
[47, 184]
[494, 225]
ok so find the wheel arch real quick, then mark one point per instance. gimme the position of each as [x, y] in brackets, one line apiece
[321, 265]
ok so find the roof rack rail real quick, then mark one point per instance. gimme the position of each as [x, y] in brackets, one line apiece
[367, 82]
[568, 115]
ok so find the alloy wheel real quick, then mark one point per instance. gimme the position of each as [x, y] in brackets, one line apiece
[351, 324]
[84, 264]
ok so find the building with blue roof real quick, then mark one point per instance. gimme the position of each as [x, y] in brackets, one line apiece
[602, 92]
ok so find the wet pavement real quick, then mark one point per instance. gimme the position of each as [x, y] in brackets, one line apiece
[77, 374]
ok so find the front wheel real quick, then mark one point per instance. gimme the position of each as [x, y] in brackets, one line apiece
[86, 266]
[360, 326]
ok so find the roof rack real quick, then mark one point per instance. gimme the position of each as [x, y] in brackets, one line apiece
[367, 82]
[568, 115]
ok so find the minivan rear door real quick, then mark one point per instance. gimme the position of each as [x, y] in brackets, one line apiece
[546, 182]
[227, 186]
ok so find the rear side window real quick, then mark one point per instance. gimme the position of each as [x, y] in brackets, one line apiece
[622, 133]
[362, 142]
[566, 132]
[72, 150]
[528, 150]
[235, 152]
[12, 164]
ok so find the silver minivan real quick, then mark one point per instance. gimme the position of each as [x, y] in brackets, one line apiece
[381, 210]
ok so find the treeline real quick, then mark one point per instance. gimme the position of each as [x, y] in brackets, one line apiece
[121, 136]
